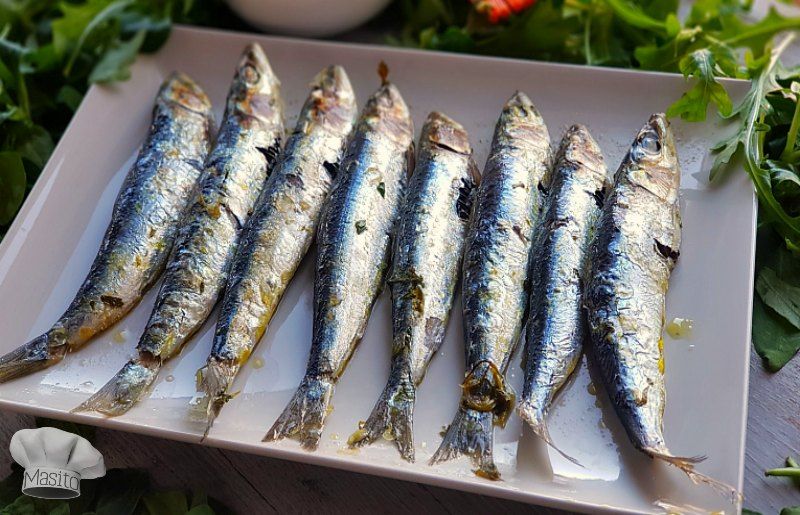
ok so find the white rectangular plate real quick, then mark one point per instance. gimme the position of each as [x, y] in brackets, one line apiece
[50, 246]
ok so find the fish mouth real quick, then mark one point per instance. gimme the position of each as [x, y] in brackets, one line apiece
[181, 89]
[659, 124]
[254, 67]
[333, 82]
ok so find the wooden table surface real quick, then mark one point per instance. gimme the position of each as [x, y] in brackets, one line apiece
[253, 484]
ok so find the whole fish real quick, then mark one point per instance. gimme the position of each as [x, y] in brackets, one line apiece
[556, 324]
[235, 172]
[495, 293]
[144, 224]
[353, 255]
[636, 248]
[426, 262]
[279, 232]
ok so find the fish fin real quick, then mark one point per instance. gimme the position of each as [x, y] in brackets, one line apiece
[393, 413]
[125, 389]
[304, 416]
[41, 352]
[486, 401]
[471, 433]
[536, 419]
[213, 381]
[687, 466]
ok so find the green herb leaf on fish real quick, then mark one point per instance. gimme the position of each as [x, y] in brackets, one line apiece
[361, 226]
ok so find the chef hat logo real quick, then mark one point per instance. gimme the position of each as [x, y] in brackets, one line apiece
[55, 461]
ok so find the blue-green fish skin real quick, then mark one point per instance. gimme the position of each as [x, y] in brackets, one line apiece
[353, 250]
[236, 169]
[556, 324]
[636, 248]
[143, 228]
[426, 264]
[279, 233]
[495, 277]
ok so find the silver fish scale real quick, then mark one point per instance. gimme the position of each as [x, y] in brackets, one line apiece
[356, 230]
[235, 172]
[634, 253]
[143, 227]
[555, 331]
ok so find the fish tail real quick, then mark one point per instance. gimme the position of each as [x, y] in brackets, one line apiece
[125, 389]
[304, 416]
[537, 420]
[686, 464]
[486, 401]
[471, 433]
[213, 381]
[41, 352]
[392, 416]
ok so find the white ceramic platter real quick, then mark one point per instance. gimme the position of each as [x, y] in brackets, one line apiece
[47, 252]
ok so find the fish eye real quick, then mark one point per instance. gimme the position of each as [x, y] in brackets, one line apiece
[650, 143]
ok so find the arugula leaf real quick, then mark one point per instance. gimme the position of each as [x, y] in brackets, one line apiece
[121, 490]
[779, 295]
[794, 510]
[166, 503]
[11, 485]
[115, 63]
[776, 341]
[12, 185]
[702, 65]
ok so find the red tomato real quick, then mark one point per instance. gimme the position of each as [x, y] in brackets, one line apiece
[499, 10]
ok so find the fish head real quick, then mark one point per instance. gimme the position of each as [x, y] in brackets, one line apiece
[255, 86]
[653, 159]
[333, 97]
[180, 89]
[519, 109]
[579, 147]
[388, 113]
[442, 131]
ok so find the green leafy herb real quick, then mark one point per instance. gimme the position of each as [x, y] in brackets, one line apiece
[12, 185]
[382, 189]
[781, 296]
[119, 492]
[51, 51]
[648, 34]
[361, 226]
[702, 65]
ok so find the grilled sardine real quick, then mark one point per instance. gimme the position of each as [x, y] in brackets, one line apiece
[144, 224]
[556, 323]
[495, 295]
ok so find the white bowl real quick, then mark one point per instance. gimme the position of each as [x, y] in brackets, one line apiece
[313, 18]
